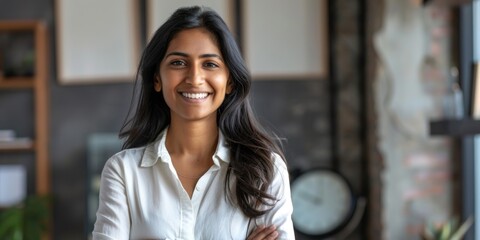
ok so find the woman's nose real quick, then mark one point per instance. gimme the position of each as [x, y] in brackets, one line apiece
[195, 75]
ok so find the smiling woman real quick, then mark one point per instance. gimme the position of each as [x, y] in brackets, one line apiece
[195, 158]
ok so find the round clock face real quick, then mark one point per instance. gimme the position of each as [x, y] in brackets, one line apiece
[322, 202]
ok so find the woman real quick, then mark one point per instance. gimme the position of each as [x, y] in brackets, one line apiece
[196, 164]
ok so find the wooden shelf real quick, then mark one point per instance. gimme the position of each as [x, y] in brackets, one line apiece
[16, 83]
[455, 127]
[19, 25]
[39, 86]
[17, 146]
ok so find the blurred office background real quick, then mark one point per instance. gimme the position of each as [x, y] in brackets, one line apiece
[366, 88]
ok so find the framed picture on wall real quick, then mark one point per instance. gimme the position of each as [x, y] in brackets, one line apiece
[96, 41]
[159, 10]
[291, 42]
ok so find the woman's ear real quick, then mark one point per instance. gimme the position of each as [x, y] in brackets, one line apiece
[229, 87]
[157, 83]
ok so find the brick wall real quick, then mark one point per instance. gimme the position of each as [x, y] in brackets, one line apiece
[410, 81]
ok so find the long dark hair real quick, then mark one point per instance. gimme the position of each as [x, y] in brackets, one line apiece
[251, 147]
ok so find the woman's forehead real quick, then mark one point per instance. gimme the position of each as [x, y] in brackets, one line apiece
[194, 39]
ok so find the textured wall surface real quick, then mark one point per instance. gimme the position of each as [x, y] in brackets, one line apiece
[411, 82]
[297, 110]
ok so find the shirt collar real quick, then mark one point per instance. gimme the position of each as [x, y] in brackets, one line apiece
[158, 151]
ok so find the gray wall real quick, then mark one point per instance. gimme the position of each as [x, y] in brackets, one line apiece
[296, 110]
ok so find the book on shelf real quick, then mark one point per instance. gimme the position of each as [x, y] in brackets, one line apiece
[7, 135]
[13, 184]
[10, 141]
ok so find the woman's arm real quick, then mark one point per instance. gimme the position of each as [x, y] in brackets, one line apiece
[280, 215]
[113, 220]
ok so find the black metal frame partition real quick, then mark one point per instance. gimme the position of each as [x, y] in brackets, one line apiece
[467, 142]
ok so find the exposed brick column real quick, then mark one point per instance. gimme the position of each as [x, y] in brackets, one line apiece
[347, 80]
[410, 79]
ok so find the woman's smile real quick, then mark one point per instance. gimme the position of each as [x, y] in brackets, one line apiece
[195, 97]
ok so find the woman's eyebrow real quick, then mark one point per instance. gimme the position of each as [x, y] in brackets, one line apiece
[206, 55]
[177, 54]
[209, 55]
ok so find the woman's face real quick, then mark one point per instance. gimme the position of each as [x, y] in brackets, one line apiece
[193, 76]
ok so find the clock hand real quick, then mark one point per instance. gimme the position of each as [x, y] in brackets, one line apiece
[311, 198]
[318, 200]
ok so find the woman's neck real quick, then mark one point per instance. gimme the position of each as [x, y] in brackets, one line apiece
[197, 139]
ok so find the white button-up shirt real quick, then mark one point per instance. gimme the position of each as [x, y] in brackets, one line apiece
[141, 197]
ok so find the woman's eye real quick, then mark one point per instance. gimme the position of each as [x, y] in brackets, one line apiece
[178, 63]
[211, 65]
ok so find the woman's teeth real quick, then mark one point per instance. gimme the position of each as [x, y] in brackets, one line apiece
[195, 95]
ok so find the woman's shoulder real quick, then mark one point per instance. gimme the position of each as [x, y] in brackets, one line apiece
[130, 156]
[280, 168]
[279, 161]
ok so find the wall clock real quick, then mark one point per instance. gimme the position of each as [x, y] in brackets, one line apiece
[323, 202]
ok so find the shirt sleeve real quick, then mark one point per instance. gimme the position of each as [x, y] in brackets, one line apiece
[113, 219]
[281, 213]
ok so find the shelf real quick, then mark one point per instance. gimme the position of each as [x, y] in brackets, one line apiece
[16, 25]
[16, 83]
[22, 145]
[455, 127]
[38, 84]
